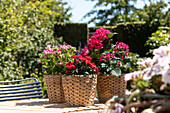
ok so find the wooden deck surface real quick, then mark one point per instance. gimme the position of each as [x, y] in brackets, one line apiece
[44, 106]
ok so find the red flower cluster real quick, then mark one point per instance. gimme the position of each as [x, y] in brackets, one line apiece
[83, 59]
[70, 65]
[96, 40]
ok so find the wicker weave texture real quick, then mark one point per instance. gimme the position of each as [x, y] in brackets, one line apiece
[54, 88]
[79, 90]
[109, 86]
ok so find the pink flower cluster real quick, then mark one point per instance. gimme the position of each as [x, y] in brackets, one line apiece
[65, 46]
[105, 57]
[84, 51]
[60, 46]
[56, 49]
[56, 56]
[96, 40]
[108, 56]
[48, 51]
[121, 47]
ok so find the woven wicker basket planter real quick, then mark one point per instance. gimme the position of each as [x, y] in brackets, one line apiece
[54, 88]
[109, 86]
[79, 90]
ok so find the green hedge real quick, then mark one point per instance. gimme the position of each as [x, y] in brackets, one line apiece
[72, 33]
[133, 34]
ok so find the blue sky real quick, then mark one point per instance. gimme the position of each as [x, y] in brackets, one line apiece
[82, 7]
[79, 9]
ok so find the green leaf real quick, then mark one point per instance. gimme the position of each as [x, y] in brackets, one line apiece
[116, 72]
[110, 35]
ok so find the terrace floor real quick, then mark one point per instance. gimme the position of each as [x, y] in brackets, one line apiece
[44, 106]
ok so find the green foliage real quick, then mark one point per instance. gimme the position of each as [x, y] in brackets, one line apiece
[159, 38]
[130, 63]
[118, 11]
[26, 27]
[153, 13]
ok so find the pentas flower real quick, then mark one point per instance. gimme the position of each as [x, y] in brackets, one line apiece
[60, 64]
[54, 58]
[60, 50]
[84, 51]
[66, 46]
[96, 41]
[121, 50]
[122, 57]
[102, 33]
[106, 57]
[39, 61]
[113, 59]
[48, 51]
[81, 65]
[118, 63]
[48, 46]
[121, 47]
[88, 58]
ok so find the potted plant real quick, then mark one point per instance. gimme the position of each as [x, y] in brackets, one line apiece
[111, 60]
[53, 60]
[111, 78]
[151, 85]
[80, 81]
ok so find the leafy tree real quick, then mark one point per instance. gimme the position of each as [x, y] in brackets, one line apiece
[26, 27]
[153, 13]
[60, 7]
[116, 11]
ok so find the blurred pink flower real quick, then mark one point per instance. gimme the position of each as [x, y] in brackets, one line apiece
[39, 61]
[59, 50]
[60, 64]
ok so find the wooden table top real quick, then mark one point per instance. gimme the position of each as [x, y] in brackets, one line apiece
[44, 106]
